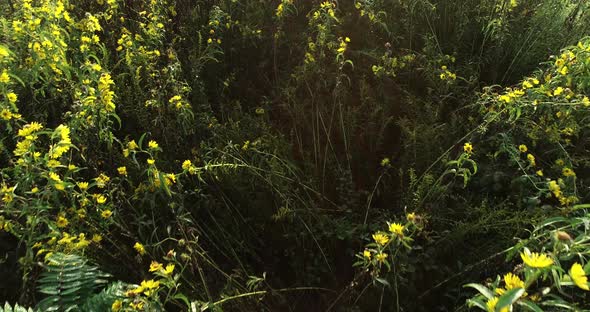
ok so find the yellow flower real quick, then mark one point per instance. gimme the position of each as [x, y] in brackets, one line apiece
[579, 276]
[6, 114]
[54, 176]
[140, 249]
[563, 70]
[97, 238]
[116, 306]
[101, 199]
[132, 145]
[169, 269]
[411, 216]
[397, 229]
[381, 238]
[568, 172]
[102, 180]
[12, 97]
[106, 213]
[4, 78]
[385, 162]
[60, 186]
[187, 164]
[540, 173]
[62, 222]
[122, 170]
[137, 306]
[153, 144]
[513, 281]
[536, 260]
[554, 188]
[468, 148]
[151, 161]
[367, 254]
[381, 256]
[155, 266]
[82, 185]
[586, 101]
[531, 159]
[491, 305]
[522, 148]
[558, 91]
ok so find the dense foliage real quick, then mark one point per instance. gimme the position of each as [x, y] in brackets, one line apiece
[286, 155]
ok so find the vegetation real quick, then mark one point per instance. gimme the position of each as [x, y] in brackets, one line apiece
[285, 155]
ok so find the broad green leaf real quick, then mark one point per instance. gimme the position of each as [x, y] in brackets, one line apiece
[509, 298]
[482, 289]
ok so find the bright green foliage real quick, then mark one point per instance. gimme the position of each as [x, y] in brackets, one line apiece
[16, 308]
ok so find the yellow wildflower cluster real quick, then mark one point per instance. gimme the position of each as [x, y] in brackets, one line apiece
[106, 94]
[188, 166]
[375, 253]
[64, 143]
[446, 74]
[28, 135]
[343, 45]
[511, 94]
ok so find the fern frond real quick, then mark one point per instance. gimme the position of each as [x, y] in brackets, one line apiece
[16, 308]
[68, 281]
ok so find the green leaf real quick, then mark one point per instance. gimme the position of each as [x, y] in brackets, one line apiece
[482, 289]
[508, 298]
[475, 302]
[530, 305]
[382, 281]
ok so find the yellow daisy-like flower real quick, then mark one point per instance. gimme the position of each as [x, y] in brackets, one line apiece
[558, 91]
[186, 165]
[536, 260]
[468, 148]
[101, 199]
[116, 306]
[568, 172]
[60, 186]
[122, 170]
[153, 144]
[381, 256]
[397, 229]
[381, 238]
[140, 249]
[97, 238]
[169, 269]
[155, 266]
[411, 216]
[82, 185]
[579, 276]
[12, 97]
[4, 77]
[62, 222]
[540, 173]
[106, 213]
[132, 145]
[151, 161]
[54, 176]
[531, 159]
[522, 148]
[513, 281]
[367, 254]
